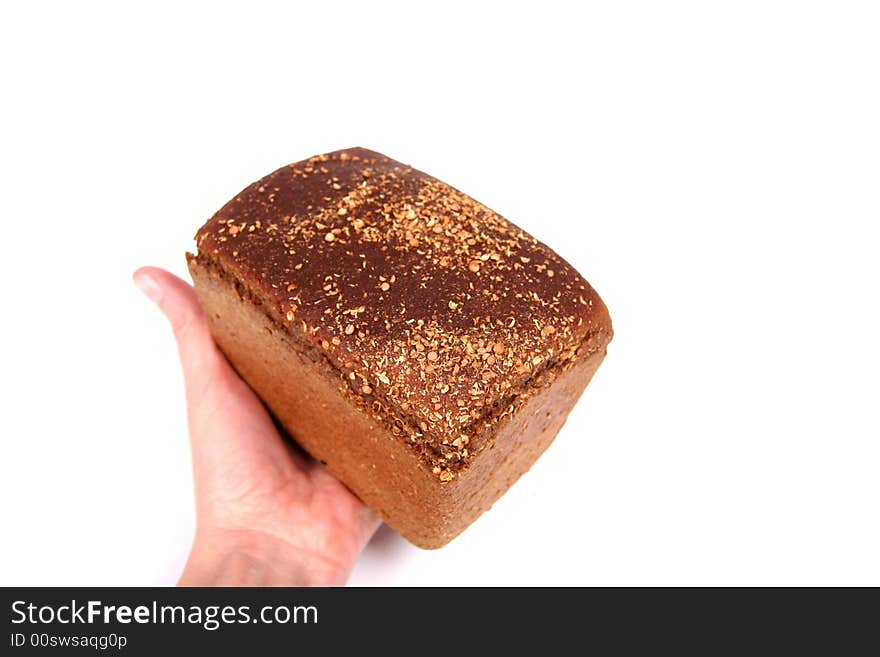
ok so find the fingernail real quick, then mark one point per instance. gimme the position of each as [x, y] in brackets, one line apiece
[148, 286]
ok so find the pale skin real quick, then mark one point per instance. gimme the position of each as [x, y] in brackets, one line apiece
[266, 514]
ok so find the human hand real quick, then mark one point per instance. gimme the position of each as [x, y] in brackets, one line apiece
[266, 513]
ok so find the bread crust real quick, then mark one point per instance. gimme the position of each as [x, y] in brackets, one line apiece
[424, 347]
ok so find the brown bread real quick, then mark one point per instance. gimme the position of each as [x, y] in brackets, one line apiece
[422, 346]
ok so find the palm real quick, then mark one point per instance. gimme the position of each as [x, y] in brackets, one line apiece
[256, 482]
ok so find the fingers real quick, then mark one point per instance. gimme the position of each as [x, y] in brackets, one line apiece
[369, 523]
[360, 520]
[177, 300]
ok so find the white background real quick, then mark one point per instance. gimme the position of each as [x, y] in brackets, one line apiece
[712, 168]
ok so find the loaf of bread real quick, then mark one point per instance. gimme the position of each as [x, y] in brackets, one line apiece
[422, 346]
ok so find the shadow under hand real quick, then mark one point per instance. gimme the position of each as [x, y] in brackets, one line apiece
[384, 558]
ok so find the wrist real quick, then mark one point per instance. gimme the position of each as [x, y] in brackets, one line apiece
[223, 557]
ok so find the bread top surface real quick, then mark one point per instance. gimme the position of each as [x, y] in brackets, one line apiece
[419, 294]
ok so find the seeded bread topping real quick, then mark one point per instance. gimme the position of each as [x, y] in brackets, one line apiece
[436, 311]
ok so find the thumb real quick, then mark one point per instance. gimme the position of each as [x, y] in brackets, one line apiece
[200, 358]
[226, 420]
